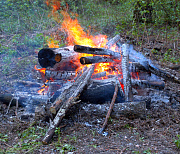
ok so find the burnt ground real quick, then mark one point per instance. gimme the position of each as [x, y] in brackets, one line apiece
[155, 133]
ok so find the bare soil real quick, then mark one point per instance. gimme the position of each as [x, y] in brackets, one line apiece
[154, 134]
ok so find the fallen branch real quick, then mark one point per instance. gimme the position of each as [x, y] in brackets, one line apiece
[66, 105]
[110, 109]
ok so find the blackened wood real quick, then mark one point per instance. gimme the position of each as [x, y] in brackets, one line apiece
[145, 66]
[48, 58]
[110, 109]
[67, 104]
[101, 91]
[58, 57]
[94, 59]
[68, 92]
[96, 51]
[163, 74]
[7, 97]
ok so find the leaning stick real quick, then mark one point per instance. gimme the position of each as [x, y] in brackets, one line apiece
[110, 109]
[66, 105]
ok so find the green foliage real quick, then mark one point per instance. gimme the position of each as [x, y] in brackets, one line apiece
[27, 142]
[3, 138]
[147, 151]
[22, 16]
[177, 141]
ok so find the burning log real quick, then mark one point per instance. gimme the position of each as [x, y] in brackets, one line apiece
[66, 104]
[126, 73]
[64, 96]
[49, 57]
[95, 59]
[96, 51]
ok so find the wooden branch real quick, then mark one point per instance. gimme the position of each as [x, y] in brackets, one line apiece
[110, 109]
[95, 59]
[163, 74]
[66, 105]
[112, 41]
[145, 66]
[96, 51]
[68, 92]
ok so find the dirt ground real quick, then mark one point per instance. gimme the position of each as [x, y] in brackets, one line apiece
[156, 133]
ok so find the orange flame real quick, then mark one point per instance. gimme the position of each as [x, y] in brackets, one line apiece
[76, 35]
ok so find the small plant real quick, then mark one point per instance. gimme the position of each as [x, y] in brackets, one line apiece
[58, 132]
[147, 151]
[3, 138]
[177, 142]
[28, 140]
[126, 126]
[136, 152]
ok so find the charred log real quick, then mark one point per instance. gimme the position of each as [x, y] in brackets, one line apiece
[59, 58]
[99, 75]
[100, 91]
[48, 58]
[163, 74]
[7, 98]
[96, 51]
[95, 59]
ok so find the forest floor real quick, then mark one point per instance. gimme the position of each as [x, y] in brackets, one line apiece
[78, 133]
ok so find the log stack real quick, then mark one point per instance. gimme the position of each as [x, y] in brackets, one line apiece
[86, 88]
